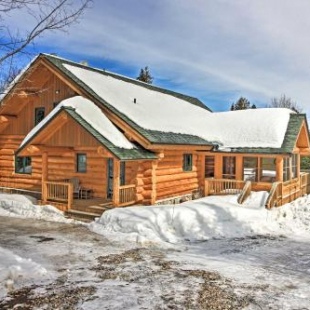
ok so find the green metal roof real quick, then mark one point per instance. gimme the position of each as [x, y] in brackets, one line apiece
[153, 136]
[289, 141]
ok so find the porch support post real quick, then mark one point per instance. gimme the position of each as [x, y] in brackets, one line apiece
[218, 163]
[202, 165]
[279, 168]
[239, 167]
[44, 176]
[154, 182]
[116, 182]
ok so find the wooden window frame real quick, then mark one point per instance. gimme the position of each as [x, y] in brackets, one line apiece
[187, 162]
[254, 172]
[81, 168]
[122, 173]
[37, 117]
[26, 161]
[209, 166]
[229, 163]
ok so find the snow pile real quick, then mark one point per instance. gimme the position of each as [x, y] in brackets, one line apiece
[24, 206]
[155, 110]
[15, 270]
[203, 219]
[92, 115]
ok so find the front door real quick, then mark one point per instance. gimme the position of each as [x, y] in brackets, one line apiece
[110, 179]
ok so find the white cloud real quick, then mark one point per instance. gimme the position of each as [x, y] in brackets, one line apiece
[258, 48]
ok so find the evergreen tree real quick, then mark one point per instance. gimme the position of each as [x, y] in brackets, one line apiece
[253, 106]
[145, 75]
[241, 104]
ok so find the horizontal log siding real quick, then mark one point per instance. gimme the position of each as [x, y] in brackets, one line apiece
[64, 167]
[8, 177]
[171, 180]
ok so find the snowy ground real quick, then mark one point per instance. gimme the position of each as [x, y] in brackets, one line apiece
[205, 254]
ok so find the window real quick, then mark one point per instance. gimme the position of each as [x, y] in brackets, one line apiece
[229, 167]
[23, 165]
[294, 166]
[81, 161]
[268, 170]
[187, 162]
[122, 173]
[55, 104]
[286, 169]
[39, 114]
[250, 169]
[209, 167]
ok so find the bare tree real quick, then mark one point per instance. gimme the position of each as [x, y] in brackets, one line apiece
[285, 102]
[48, 16]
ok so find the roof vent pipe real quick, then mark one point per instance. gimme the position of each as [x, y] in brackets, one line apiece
[134, 100]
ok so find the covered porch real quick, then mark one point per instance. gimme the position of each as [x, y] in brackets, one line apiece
[279, 174]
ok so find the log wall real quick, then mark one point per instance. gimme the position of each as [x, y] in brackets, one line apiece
[62, 167]
[171, 180]
[8, 177]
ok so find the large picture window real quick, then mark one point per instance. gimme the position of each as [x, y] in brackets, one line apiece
[268, 169]
[229, 167]
[286, 169]
[187, 162]
[39, 114]
[23, 165]
[122, 173]
[81, 163]
[250, 169]
[209, 167]
[294, 166]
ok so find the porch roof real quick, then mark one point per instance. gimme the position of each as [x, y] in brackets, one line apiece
[290, 138]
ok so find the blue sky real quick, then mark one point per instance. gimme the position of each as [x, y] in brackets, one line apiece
[216, 50]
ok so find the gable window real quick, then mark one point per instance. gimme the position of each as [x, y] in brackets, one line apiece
[81, 162]
[23, 165]
[122, 173]
[229, 167]
[187, 162]
[39, 114]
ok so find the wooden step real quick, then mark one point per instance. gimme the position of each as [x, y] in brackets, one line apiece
[81, 215]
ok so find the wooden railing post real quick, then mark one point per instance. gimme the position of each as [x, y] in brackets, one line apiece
[70, 195]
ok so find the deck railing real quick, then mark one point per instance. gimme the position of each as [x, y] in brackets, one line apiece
[127, 194]
[223, 186]
[58, 191]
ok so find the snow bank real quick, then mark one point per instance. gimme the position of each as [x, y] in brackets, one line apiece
[210, 217]
[15, 270]
[24, 206]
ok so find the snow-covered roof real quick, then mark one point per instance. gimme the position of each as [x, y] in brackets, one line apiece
[154, 110]
[92, 115]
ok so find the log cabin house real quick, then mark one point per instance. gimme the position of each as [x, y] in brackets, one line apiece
[128, 142]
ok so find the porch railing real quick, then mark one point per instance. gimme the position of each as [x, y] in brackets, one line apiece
[245, 193]
[127, 194]
[275, 195]
[58, 191]
[223, 186]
